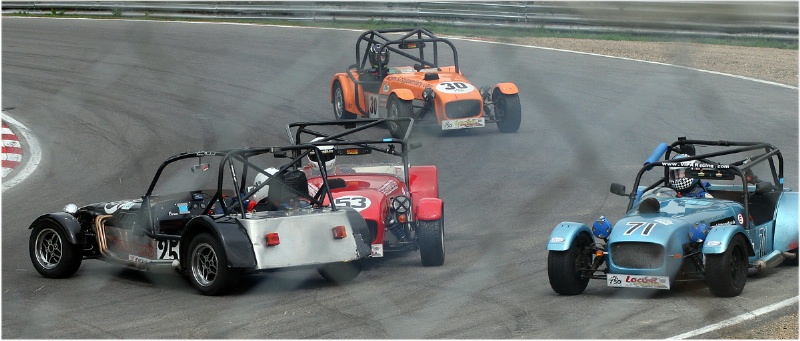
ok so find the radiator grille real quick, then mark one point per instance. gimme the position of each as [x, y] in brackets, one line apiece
[637, 255]
[462, 109]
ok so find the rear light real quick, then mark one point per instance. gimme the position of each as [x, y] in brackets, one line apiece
[272, 239]
[339, 232]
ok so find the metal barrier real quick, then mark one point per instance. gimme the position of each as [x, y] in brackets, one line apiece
[777, 20]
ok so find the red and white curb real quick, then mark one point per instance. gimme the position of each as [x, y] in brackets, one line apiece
[12, 150]
[15, 155]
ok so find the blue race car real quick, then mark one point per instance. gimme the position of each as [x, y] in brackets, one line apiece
[717, 216]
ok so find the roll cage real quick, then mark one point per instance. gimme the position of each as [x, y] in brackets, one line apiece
[345, 143]
[740, 169]
[411, 39]
[237, 163]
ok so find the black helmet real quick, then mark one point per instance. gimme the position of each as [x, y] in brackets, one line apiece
[374, 56]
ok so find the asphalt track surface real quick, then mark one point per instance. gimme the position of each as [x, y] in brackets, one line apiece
[109, 100]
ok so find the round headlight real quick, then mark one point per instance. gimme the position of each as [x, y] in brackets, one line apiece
[428, 94]
[401, 204]
[71, 208]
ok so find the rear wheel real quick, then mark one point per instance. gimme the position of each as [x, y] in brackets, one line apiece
[430, 236]
[726, 273]
[208, 264]
[339, 110]
[399, 108]
[507, 111]
[52, 254]
[340, 272]
[563, 267]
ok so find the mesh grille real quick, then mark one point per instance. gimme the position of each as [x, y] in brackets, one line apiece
[373, 229]
[462, 109]
[637, 255]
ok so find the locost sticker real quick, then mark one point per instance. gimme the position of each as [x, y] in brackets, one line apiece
[637, 281]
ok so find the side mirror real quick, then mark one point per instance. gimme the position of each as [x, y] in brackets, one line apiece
[200, 167]
[618, 189]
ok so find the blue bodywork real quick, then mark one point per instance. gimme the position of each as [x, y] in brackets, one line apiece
[670, 236]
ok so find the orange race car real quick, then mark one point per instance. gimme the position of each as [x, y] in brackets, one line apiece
[425, 91]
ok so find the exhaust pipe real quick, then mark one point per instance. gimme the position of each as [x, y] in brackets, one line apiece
[770, 261]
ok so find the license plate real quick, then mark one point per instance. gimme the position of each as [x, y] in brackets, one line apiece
[637, 281]
[464, 123]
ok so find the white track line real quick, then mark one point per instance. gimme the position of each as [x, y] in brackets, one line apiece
[32, 147]
[737, 319]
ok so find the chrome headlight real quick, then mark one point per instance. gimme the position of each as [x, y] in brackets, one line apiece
[71, 208]
[401, 204]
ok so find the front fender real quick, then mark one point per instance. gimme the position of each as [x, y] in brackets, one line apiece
[71, 226]
[230, 234]
[404, 94]
[786, 218]
[719, 238]
[429, 209]
[506, 88]
[564, 234]
[348, 91]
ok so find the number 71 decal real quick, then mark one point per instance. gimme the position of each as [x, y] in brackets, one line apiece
[648, 227]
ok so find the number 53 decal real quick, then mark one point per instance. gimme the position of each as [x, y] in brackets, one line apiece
[357, 203]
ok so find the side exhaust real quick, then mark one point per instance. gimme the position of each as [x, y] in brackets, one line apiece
[770, 261]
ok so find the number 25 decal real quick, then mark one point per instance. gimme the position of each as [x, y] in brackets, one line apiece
[648, 227]
[357, 203]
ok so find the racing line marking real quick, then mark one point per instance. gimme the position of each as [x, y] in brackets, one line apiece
[33, 148]
[737, 319]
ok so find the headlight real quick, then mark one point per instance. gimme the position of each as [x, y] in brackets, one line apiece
[401, 204]
[71, 208]
[602, 228]
[698, 232]
[428, 94]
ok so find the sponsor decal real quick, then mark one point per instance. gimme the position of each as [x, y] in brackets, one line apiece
[714, 243]
[740, 218]
[386, 87]
[118, 205]
[556, 240]
[463, 123]
[693, 165]
[389, 187]
[638, 281]
[723, 222]
[409, 81]
[454, 87]
[377, 250]
[138, 259]
[663, 221]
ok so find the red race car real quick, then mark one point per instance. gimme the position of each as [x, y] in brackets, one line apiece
[429, 91]
[400, 202]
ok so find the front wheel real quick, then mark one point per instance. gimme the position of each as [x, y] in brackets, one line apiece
[208, 264]
[52, 254]
[339, 110]
[399, 108]
[564, 267]
[340, 272]
[430, 236]
[507, 111]
[726, 273]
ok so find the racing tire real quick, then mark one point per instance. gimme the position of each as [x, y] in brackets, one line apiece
[430, 236]
[208, 266]
[339, 103]
[562, 266]
[507, 111]
[395, 109]
[340, 272]
[52, 254]
[726, 273]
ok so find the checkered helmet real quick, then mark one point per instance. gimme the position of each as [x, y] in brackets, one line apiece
[677, 175]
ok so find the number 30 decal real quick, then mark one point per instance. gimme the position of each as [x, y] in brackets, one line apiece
[357, 203]
[454, 87]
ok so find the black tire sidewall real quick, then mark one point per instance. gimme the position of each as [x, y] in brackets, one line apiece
[71, 256]
[721, 281]
[430, 236]
[561, 268]
[226, 276]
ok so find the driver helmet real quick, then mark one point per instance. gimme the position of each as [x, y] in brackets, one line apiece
[677, 175]
[260, 178]
[328, 158]
[374, 56]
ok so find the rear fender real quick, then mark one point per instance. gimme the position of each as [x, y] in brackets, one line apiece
[564, 234]
[231, 235]
[786, 218]
[506, 88]
[70, 225]
[429, 209]
[404, 94]
[719, 238]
